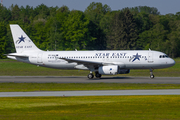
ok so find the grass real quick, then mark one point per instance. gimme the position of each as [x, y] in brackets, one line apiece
[24, 87]
[88, 108]
[15, 68]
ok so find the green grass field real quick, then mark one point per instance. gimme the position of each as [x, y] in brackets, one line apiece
[24, 87]
[164, 107]
[91, 108]
[15, 68]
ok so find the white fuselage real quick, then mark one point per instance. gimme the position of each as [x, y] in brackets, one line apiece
[126, 59]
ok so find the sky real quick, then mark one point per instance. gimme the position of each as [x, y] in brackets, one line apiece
[163, 6]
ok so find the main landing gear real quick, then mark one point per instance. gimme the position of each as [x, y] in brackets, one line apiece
[91, 76]
[151, 74]
[97, 75]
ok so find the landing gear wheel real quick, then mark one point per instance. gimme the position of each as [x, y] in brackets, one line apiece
[98, 75]
[151, 76]
[90, 76]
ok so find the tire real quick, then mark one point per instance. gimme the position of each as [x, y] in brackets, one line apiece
[90, 76]
[98, 75]
[151, 76]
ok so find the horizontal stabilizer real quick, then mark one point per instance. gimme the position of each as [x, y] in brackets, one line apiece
[17, 55]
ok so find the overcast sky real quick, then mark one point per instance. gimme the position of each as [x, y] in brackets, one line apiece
[164, 6]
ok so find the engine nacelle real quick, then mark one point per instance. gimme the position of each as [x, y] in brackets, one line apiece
[108, 70]
[124, 71]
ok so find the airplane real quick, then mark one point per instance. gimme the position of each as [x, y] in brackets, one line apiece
[101, 62]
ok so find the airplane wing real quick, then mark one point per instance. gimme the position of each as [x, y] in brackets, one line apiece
[84, 62]
[92, 64]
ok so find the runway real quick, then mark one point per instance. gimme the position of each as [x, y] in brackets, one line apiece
[52, 79]
[91, 93]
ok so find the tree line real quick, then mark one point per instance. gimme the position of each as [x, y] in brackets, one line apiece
[97, 28]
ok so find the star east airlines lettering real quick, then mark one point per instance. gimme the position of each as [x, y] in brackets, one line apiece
[110, 54]
[133, 58]
[24, 46]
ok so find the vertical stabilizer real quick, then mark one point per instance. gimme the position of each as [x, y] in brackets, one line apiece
[21, 41]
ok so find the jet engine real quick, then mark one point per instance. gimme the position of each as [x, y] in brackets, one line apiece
[108, 70]
[112, 70]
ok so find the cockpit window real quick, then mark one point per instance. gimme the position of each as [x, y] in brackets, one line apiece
[163, 56]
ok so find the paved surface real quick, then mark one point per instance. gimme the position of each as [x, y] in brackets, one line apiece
[45, 79]
[91, 93]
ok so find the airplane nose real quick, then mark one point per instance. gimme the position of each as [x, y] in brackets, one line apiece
[172, 62]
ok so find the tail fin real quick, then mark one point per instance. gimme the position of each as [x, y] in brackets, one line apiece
[21, 41]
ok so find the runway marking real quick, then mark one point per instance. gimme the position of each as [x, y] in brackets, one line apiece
[91, 93]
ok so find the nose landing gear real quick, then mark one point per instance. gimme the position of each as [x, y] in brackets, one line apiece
[151, 74]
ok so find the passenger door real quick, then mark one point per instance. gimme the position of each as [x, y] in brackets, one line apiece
[150, 57]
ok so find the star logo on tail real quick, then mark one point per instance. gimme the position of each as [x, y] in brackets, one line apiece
[21, 39]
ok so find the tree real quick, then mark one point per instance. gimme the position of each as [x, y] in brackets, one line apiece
[27, 14]
[3, 42]
[15, 12]
[123, 31]
[153, 38]
[42, 12]
[143, 22]
[145, 9]
[5, 14]
[95, 13]
[39, 34]
[173, 42]
[75, 31]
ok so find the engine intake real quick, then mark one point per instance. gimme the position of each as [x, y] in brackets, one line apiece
[112, 70]
[108, 70]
